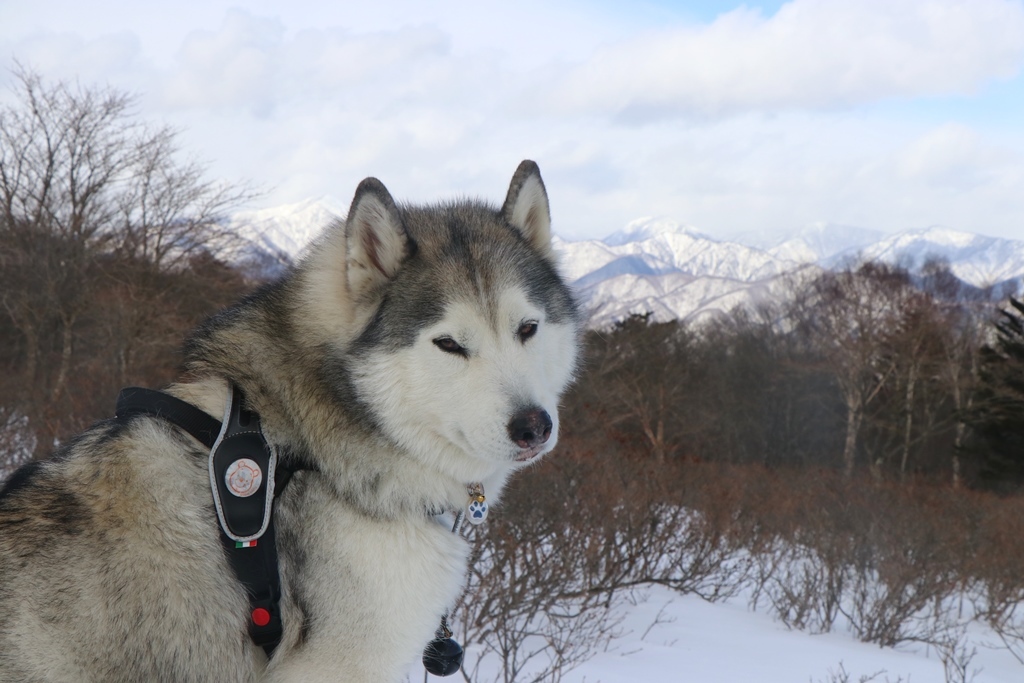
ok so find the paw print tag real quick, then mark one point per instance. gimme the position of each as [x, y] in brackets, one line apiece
[476, 510]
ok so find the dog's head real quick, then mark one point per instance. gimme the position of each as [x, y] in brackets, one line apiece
[467, 336]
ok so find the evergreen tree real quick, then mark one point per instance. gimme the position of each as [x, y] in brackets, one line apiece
[998, 420]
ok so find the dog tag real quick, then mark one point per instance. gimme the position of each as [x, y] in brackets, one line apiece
[476, 509]
[243, 477]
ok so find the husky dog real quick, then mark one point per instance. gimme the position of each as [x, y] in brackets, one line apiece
[414, 352]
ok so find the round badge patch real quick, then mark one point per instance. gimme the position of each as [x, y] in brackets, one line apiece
[243, 477]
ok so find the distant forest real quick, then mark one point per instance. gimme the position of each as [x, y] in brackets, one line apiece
[864, 370]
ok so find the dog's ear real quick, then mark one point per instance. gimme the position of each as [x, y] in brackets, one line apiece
[526, 207]
[376, 240]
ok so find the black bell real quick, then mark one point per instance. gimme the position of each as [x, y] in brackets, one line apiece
[443, 657]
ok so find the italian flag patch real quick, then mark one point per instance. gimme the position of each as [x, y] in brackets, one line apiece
[245, 544]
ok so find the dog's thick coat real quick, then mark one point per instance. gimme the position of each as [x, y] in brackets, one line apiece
[414, 351]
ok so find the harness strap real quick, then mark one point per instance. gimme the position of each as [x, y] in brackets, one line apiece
[254, 561]
[138, 401]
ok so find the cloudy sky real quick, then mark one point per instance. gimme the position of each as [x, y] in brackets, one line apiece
[747, 119]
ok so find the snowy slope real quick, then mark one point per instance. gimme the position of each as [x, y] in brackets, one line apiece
[820, 241]
[657, 265]
[284, 231]
[674, 296]
[673, 271]
[669, 638]
[677, 248]
[975, 259]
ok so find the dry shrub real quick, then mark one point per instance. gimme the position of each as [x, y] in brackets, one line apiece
[532, 602]
[572, 538]
[893, 561]
[887, 558]
[996, 568]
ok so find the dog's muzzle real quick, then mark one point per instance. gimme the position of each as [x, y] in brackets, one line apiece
[530, 429]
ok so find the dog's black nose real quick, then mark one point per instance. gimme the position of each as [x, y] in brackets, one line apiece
[530, 427]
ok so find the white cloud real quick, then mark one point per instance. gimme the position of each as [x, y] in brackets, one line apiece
[254, 63]
[751, 123]
[110, 57]
[234, 65]
[810, 54]
[952, 157]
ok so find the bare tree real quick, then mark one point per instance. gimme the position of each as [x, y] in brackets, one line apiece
[915, 346]
[966, 329]
[642, 371]
[849, 315]
[85, 185]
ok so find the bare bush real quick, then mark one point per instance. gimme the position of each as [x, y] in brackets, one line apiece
[804, 588]
[996, 566]
[529, 606]
[570, 543]
[956, 655]
[841, 675]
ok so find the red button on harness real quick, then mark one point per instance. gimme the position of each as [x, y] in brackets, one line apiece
[260, 616]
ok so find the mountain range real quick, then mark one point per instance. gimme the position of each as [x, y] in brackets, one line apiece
[674, 271]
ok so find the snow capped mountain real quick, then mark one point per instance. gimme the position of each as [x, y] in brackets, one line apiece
[647, 228]
[674, 296]
[279, 234]
[978, 260]
[673, 271]
[665, 246]
[819, 241]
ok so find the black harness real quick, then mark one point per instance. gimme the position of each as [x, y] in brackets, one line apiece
[245, 477]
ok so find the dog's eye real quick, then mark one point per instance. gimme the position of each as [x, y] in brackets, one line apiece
[449, 345]
[527, 330]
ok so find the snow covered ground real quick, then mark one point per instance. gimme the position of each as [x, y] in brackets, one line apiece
[671, 638]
